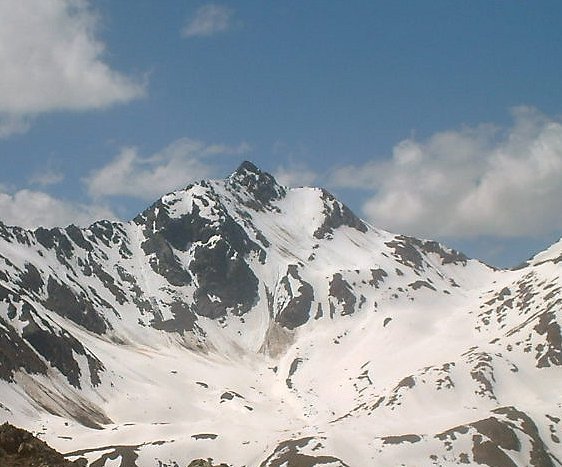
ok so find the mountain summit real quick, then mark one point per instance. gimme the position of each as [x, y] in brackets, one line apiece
[255, 324]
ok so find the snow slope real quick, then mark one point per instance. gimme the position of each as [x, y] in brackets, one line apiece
[258, 325]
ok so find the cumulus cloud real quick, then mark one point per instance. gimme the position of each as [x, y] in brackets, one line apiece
[209, 20]
[30, 209]
[51, 60]
[468, 182]
[180, 163]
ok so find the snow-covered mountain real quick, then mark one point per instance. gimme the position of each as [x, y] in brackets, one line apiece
[258, 325]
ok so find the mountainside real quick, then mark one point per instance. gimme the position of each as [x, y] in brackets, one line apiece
[252, 324]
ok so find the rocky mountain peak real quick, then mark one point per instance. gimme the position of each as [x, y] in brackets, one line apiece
[247, 166]
[261, 186]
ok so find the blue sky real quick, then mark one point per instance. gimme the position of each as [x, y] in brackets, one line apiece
[438, 119]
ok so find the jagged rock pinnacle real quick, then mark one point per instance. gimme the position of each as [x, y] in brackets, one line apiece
[261, 185]
[247, 166]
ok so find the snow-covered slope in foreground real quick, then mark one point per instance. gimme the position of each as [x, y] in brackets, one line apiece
[258, 325]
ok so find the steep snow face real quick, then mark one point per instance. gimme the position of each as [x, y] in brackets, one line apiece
[254, 324]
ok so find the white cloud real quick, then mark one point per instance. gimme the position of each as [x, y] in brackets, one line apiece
[180, 163]
[30, 209]
[295, 175]
[209, 20]
[51, 60]
[468, 182]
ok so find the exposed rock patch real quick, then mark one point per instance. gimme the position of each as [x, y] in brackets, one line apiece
[295, 311]
[337, 214]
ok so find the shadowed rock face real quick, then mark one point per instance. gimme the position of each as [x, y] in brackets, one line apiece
[296, 311]
[218, 248]
[292, 370]
[540, 455]
[337, 214]
[15, 354]
[31, 279]
[164, 262]
[62, 300]
[260, 186]
[184, 319]
[223, 273]
[447, 256]
[342, 294]
[40, 338]
[409, 251]
[377, 277]
[551, 353]
[495, 437]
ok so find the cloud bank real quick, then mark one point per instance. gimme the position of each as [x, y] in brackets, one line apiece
[129, 174]
[51, 60]
[30, 209]
[469, 182]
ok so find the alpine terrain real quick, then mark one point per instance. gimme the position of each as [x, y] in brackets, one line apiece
[255, 325]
